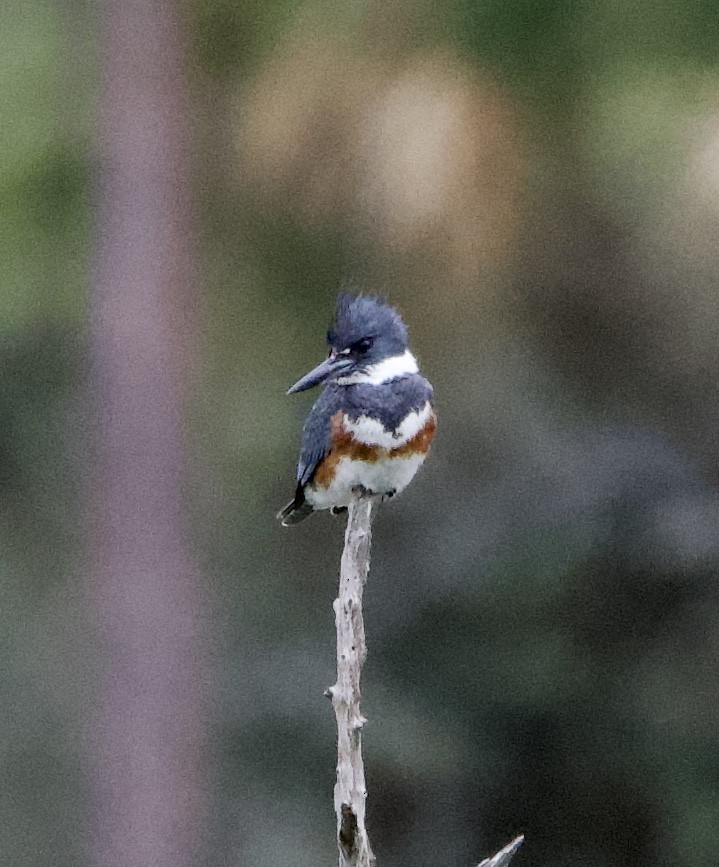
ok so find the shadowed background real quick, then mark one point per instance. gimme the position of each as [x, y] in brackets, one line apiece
[536, 186]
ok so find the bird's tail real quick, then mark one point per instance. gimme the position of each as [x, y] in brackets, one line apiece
[295, 511]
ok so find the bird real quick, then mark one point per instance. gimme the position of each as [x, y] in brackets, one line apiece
[370, 429]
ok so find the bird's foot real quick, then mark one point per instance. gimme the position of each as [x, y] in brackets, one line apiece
[362, 493]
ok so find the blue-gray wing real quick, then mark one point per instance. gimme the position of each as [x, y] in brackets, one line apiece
[317, 432]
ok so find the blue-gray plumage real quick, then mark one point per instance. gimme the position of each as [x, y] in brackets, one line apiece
[359, 318]
[317, 431]
[371, 427]
[387, 403]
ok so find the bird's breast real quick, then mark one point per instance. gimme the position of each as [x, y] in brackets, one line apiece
[363, 452]
[372, 431]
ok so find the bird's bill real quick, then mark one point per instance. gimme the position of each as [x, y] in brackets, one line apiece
[331, 367]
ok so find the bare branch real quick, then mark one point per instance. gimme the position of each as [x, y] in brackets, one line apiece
[504, 856]
[350, 789]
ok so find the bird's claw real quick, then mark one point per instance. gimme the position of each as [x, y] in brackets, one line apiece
[362, 493]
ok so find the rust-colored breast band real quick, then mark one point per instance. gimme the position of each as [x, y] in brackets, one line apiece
[344, 445]
[420, 443]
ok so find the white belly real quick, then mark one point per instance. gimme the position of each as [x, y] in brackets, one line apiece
[381, 477]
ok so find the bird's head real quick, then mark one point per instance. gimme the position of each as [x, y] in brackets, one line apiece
[365, 335]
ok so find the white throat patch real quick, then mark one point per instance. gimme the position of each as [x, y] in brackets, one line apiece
[383, 371]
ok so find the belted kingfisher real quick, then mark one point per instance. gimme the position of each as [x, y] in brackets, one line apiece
[370, 430]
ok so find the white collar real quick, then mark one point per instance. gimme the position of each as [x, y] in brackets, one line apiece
[389, 368]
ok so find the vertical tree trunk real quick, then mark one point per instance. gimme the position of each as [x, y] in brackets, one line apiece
[148, 733]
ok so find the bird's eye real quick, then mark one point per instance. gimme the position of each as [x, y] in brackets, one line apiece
[362, 346]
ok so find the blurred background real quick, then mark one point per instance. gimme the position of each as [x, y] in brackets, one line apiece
[535, 184]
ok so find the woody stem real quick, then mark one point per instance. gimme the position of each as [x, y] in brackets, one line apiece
[350, 789]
